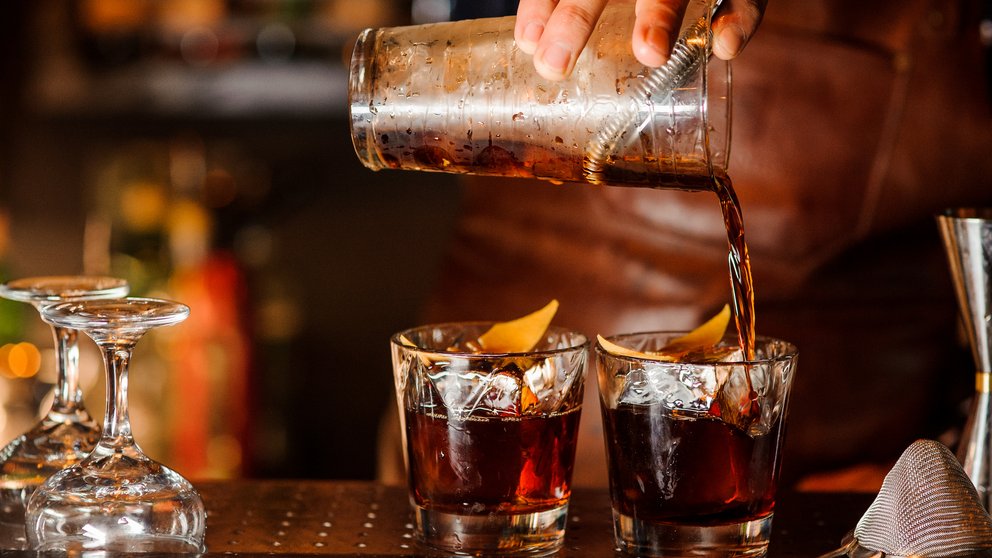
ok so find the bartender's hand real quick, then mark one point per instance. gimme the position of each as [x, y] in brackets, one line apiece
[555, 31]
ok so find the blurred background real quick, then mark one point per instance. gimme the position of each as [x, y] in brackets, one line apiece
[200, 149]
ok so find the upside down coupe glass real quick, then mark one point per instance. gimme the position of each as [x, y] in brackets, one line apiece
[116, 499]
[67, 432]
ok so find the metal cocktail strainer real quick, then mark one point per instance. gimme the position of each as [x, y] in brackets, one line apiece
[927, 507]
[688, 54]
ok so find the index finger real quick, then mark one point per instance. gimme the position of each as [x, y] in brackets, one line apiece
[655, 30]
[565, 35]
[532, 16]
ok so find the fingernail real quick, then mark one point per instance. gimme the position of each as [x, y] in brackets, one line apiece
[729, 40]
[556, 57]
[533, 31]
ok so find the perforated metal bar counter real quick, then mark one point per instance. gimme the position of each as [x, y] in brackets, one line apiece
[365, 519]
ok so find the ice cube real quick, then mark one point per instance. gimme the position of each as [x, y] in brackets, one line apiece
[464, 391]
[547, 383]
[678, 386]
[654, 384]
[739, 402]
[509, 386]
[458, 387]
[637, 389]
[714, 386]
[502, 395]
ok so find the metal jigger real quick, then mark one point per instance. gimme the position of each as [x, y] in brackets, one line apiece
[967, 235]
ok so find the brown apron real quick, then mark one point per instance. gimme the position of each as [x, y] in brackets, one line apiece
[853, 123]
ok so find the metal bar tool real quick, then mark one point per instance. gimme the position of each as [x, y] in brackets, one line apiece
[967, 235]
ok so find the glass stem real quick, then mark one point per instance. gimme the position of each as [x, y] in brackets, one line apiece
[68, 395]
[116, 424]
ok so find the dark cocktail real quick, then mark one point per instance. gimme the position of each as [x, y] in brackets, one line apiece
[694, 446]
[493, 464]
[490, 438]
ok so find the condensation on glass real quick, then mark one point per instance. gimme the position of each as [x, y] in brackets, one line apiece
[460, 97]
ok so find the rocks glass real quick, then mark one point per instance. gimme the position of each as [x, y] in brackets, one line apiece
[694, 447]
[489, 437]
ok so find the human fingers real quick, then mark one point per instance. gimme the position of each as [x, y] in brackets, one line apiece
[735, 24]
[565, 35]
[655, 29]
[532, 16]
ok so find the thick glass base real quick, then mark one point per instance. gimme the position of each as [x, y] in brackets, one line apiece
[526, 534]
[645, 538]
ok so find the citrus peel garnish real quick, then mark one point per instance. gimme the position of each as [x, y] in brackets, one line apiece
[702, 339]
[617, 350]
[528, 399]
[706, 335]
[519, 335]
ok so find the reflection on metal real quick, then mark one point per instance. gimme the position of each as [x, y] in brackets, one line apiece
[967, 235]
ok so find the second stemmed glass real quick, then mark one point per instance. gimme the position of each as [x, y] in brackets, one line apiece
[67, 432]
[116, 499]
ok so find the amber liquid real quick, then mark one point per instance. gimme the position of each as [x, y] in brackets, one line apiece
[431, 151]
[491, 465]
[630, 173]
[740, 265]
[439, 152]
[699, 471]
